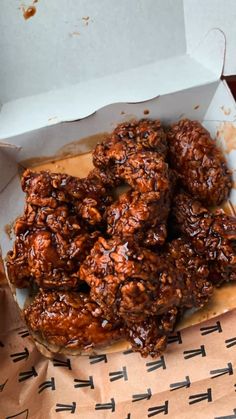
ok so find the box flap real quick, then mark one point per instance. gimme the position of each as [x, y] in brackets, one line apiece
[203, 15]
[122, 55]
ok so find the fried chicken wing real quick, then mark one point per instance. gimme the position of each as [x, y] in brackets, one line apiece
[212, 235]
[146, 172]
[88, 197]
[57, 229]
[129, 138]
[66, 319]
[201, 166]
[141, 216]
[48, 259]
[132, 282]
[150, 337]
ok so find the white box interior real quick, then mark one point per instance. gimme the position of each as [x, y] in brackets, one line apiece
[57, 66]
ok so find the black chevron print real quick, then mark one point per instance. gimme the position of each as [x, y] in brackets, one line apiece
[195, 352]
[197, 398]
[156, 410]
[222, 371]
[144, 396]
[118, 375]
[154, 365]
[84, 383]
[27, 374]
[175, 338]
[60, 363]
[26, 411]
[3, 385]
[106, 406]
[20, 355]
[47, 384]
[128, 351]
[211, 329]
[66, 407]
[98, 358]
[24, 333]
[228, 416]
[230, 342]
[181, 384]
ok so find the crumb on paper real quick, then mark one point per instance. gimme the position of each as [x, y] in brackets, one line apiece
[146, 112]
[196, 107]
[226, 111]
[122, 113]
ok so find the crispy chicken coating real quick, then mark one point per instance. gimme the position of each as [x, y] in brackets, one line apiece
[201, 166]
[134, 153]
[66, 319]
[132, 282]
[88, 197]
[56, 231]
[150, 336]
[146, 171]
[141, 216]
[49, 259]
[129, 138]
[212, 235]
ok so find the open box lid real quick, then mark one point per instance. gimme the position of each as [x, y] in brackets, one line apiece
[73, 58]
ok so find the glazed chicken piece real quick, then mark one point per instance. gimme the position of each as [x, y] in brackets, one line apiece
[56, 231]
[129, 138]
[141, 216]
[146, 171]
[132, 283]
[212, 235]
[134, 153]
[48, 259]
[201, 166]
[150, 337]
[66, 319]
[87, 197]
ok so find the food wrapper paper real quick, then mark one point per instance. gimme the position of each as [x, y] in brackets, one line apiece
[193, 379]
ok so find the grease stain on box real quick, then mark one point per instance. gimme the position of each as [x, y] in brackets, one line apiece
[227, 131]
[86, 20]
[225, 110]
